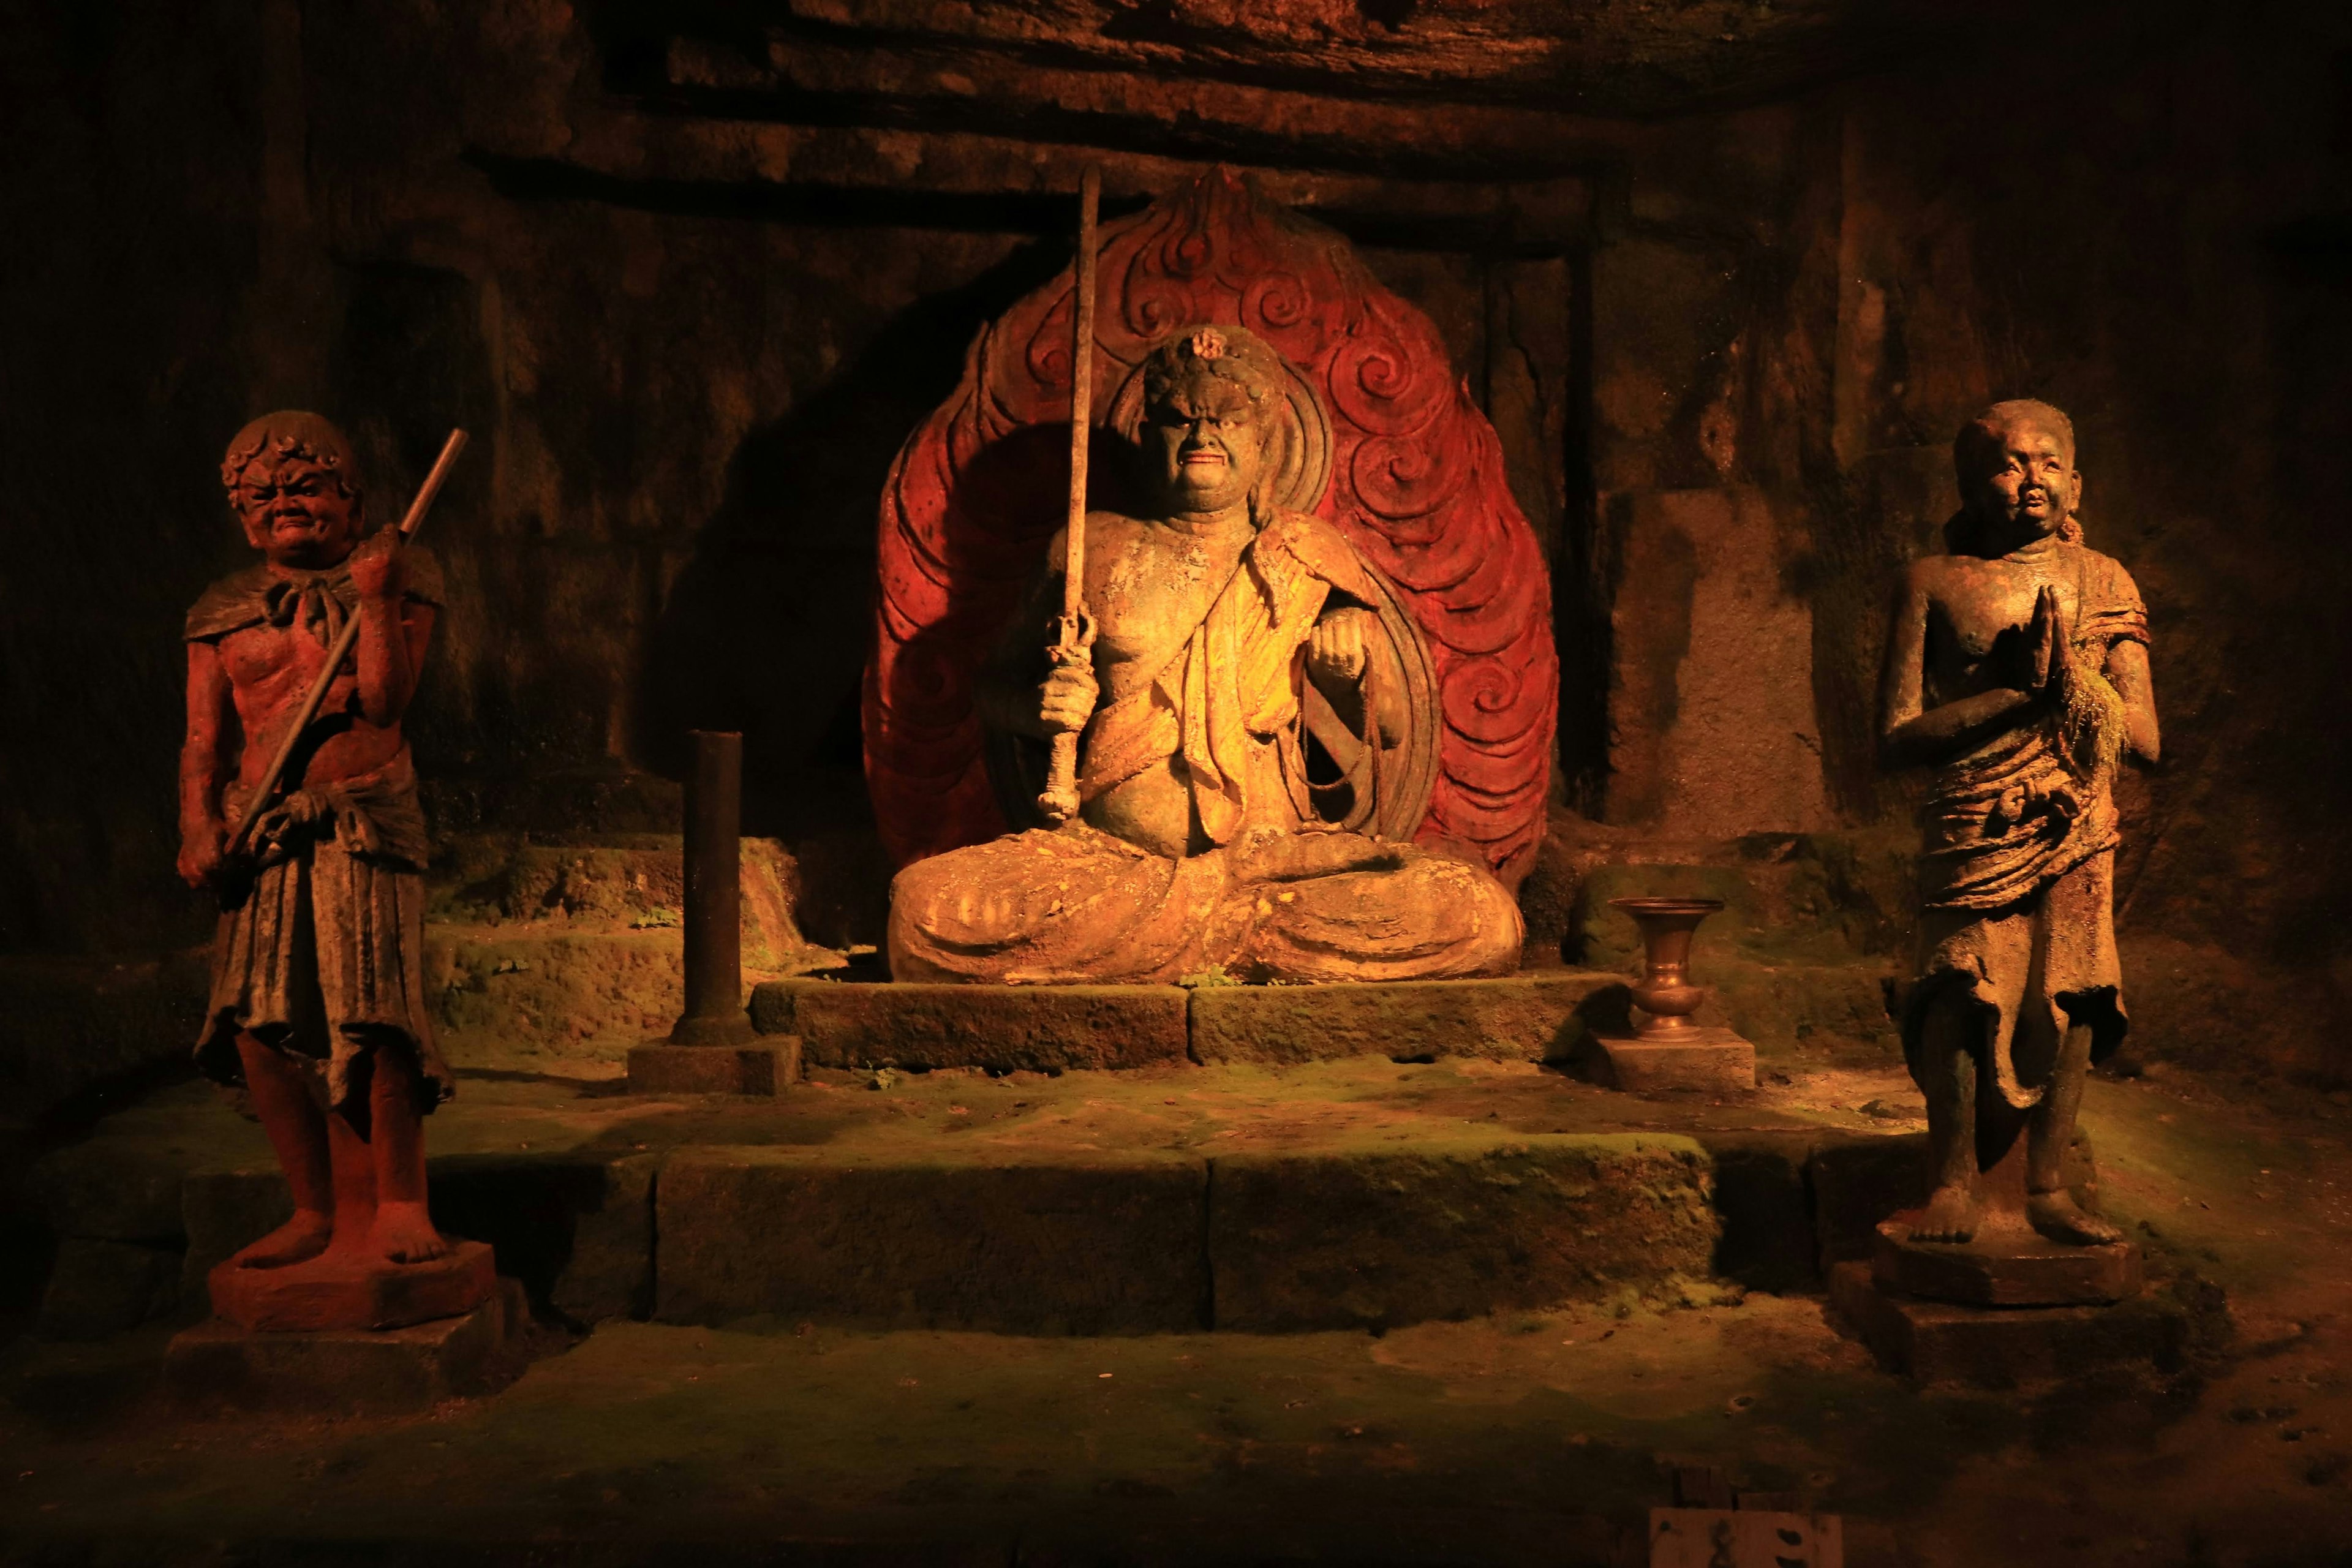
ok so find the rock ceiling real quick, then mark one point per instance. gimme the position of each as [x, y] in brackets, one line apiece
[1403, 118]
[1617, 57]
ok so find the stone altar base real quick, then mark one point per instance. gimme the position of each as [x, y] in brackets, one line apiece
[1705, 1061]
[2008, 1265]
[1539, 1017]
[340, 1290]
[219, 1366]
[766, 1069]
[1336, 1194]
[1940, 1342]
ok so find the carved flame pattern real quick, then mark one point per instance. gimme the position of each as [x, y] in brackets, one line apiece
[1417, 485]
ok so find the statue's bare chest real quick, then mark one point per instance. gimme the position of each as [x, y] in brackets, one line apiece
[269, 665]
[1976, 603]
[1153, 585]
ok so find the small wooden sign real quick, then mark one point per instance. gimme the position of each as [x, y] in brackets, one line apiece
[1744, 1538]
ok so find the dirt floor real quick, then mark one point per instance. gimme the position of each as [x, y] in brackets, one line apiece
[1532, 1438]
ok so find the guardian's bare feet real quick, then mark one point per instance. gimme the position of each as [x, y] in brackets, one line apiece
[403, 1235]
[2059, 1217]
[298, 1240]
[1951, 1215]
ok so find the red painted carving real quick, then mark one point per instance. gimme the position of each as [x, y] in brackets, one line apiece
[1416, 484]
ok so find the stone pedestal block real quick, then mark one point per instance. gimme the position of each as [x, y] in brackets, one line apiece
[2005, 1266]
[217, 1365]
[766, 1069]
[1089, 1243]
[1943, 1342]
[1041, 1028]
[1521, 1017]
[1707, 1061]
[343, 1291]
[1384, 1236]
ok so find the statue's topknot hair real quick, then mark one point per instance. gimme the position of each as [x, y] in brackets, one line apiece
[1230, 354]
[292, 433]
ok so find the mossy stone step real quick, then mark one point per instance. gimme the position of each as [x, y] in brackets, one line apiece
[1351, 1193]
[1536, 1017]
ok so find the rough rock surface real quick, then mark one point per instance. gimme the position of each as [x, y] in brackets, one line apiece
[1376, 1236]
[1036, 1028]
[1535, 1017]
[1713, 732]
[560, 957]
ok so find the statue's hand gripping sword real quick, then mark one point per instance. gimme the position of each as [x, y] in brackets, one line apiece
[1075, 639]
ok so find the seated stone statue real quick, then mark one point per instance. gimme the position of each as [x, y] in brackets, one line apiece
[1254, 691]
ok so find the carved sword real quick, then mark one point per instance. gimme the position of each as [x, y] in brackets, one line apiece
[1075, 628]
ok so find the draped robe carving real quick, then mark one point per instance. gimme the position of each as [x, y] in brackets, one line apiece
[1281, 893]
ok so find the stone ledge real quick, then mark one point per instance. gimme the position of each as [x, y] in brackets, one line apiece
[576, 1230]
[1112, 1246]
[1537, 1016]
[574, 1222]
[1387, 1238]
[1005, 1029]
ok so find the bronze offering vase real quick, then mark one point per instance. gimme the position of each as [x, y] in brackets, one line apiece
[1665, 994]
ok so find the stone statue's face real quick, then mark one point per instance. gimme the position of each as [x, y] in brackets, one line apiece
[2033, 487]
[295, 512]
[1205, 443]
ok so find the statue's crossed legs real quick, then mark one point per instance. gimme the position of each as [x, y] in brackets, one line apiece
[1080, 906]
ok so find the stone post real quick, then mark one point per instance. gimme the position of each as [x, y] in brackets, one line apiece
[713, 1048]
[714, 895]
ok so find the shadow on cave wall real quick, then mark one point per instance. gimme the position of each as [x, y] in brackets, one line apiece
[767, 626]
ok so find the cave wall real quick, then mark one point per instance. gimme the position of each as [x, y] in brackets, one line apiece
[133, 197]
[690, 273]
[1800, 303]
